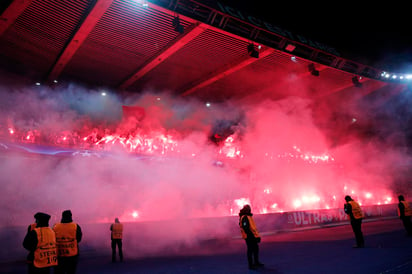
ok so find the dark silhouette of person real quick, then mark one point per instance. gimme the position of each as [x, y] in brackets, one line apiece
[356, 215]
[31, 227]
[68, 236]
[41, 244]
[405, 213]
[251, 235]
[116, 237]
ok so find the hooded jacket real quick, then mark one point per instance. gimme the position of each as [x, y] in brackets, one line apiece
[247, 225]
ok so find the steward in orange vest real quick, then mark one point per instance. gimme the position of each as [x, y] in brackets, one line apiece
[405, 213]
[116, 237]
[356, 215]
[68, 237]
[251, 235]
[41, 244]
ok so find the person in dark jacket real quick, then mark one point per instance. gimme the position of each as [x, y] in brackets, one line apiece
[68, 236]
[40, 241]
[356, 215]
[405, 213]
[31, 227]
[251, 235]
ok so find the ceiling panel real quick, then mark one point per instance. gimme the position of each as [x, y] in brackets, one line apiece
[136, 47]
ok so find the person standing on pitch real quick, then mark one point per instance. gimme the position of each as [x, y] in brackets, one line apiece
[116, 237]
[356, 215]
[251, 235]
[68, 237]
[41, 244]
[405, 213]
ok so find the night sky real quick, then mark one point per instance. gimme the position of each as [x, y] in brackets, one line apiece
[377, 35]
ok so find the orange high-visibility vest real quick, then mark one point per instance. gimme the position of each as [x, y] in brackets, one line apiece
[252, 227]
[356, 210]
[117, 231]
[66, 239]
[45, 254]
[408, 210]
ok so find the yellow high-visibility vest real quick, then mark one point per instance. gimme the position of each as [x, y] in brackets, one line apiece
[408, 210]
[356, 210]
[66, 239]
[252, 227]
[45, 254]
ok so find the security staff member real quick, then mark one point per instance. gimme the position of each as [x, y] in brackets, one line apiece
[405, 213]
[251, 235]
[41, 244]
[116, 237]
[68, 237]
[356, 215]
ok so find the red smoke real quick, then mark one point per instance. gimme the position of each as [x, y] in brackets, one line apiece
[273, 157]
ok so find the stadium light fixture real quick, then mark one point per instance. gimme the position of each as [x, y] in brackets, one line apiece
[356, 82]
[252, 50]
[313, 70]
[177, 25]
[142, 2]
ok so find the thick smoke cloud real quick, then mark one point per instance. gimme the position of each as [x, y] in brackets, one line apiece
[281, 160]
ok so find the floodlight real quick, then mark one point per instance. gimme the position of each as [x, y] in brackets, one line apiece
[177, 25]
[313, 70]
[252, 51]
[355, 81]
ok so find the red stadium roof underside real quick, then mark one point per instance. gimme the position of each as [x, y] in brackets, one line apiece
[125, 45]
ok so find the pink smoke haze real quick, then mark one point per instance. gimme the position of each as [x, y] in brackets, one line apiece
[163, 165]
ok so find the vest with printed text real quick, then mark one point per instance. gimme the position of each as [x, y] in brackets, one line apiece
[45, 254]
[66, 239]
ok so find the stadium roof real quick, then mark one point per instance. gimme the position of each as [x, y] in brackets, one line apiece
[188, 48]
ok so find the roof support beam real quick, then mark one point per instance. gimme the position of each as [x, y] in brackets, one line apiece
[96, 12]
[13, 11]
[177, 44]
[368, 86]
[225, 72]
